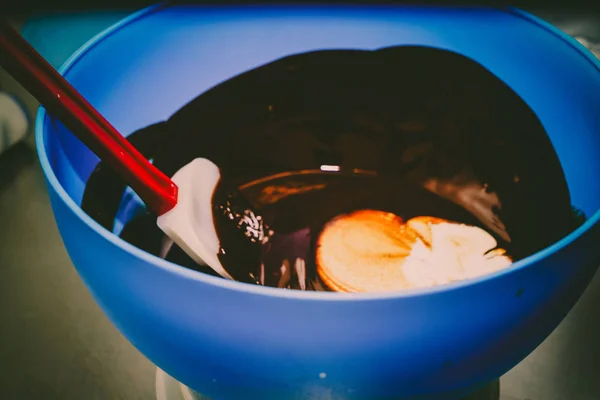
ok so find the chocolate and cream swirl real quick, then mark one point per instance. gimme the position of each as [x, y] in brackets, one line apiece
[374, 251]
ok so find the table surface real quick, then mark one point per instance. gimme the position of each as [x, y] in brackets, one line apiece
[55, 343]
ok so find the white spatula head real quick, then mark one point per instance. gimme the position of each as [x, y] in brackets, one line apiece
[190, 223]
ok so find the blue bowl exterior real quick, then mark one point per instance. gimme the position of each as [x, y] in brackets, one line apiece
[233, 344]
[233, 341]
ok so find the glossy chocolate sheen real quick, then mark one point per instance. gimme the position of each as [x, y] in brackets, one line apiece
[413, 115]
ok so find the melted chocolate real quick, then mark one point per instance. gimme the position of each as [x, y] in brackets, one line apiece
[439, 130]
[297, 206]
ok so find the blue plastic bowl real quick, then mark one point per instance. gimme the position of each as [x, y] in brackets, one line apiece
[235, 341]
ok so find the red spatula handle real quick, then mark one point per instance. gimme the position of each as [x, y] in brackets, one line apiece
[38, 77]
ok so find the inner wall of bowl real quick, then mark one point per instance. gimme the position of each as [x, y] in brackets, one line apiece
[148, 69]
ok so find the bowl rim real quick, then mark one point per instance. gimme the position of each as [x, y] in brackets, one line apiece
[155, 261]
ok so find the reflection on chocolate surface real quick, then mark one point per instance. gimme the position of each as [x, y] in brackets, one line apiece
[414, 131]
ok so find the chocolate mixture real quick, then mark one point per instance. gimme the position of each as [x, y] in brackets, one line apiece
[412, 130]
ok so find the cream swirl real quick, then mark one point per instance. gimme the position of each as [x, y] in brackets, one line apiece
[374, 251]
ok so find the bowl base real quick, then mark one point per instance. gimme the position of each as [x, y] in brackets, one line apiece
[167, 388]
